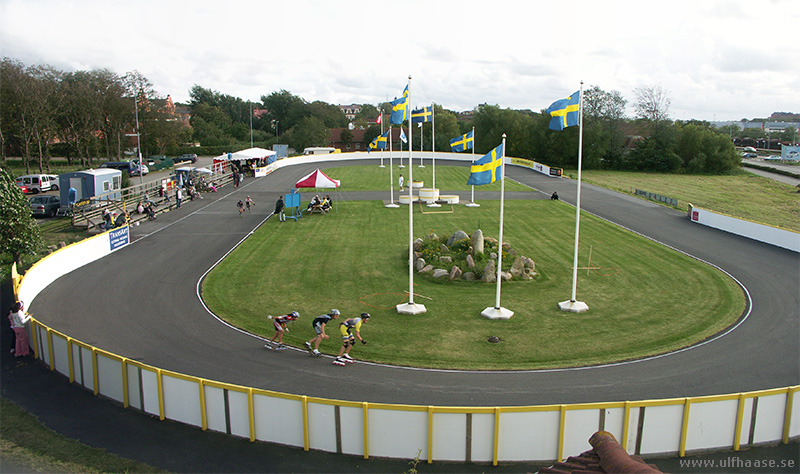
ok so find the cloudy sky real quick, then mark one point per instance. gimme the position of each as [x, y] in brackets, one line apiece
[717, 59]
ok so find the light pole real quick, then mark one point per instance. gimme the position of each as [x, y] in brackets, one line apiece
[138, 140]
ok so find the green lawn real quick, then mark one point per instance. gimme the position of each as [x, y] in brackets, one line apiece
[644, 299]
[372, 178]
[744, 195]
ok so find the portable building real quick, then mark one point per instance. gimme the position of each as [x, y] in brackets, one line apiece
[104, 183]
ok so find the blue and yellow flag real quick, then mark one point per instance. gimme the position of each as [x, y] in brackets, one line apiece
[400, 109]
[379, 143]
[565, 112]
[464, 142]
[488, 169]
[424, 114]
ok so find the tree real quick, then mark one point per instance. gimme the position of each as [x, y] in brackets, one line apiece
[19, 234]
[652, 104]
[310, 131]
[605, 110]
[286, 108]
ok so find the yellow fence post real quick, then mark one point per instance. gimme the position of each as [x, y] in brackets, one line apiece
[737, 435]
[203, 416]
[684, 427]
[251, 414]
[430, 434]
[496, 447]
[160, 388]
[788, 415]
[365, 410]
[306, 445]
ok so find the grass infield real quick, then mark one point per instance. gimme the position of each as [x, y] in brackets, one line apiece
[644, 298]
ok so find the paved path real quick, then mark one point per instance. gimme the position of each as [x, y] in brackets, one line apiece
[143, 303]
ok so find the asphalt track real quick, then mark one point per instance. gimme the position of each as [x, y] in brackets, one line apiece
[142, 303]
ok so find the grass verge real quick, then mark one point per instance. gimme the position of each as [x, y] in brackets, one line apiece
[742, 195]
[26, 442]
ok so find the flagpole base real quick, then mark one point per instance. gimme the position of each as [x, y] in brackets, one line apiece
[392, 205]
[411, 308]
[402, 166]
[573, 306]
[381, 166]
[434, 204]
[421, 166]
[472, 204]
[497, 313]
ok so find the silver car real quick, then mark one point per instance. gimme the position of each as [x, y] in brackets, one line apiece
[44, 205]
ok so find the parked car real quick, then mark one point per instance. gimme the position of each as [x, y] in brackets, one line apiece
[186, 157]
[749, 155]
[35, 183]
[145, 170]
[53, 182]
[130, 167]
[44, 205]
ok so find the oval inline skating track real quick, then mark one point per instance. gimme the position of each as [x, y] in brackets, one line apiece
[142, 303]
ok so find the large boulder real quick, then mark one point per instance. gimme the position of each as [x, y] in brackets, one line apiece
[469, 276]
[517, 268]
[470, 261]
[455, 273]
[489, 272]
[440, 272]
[457, 235]
[477, 241]
[505, 276]
[426, 269]
[417, 244]
[419, 264]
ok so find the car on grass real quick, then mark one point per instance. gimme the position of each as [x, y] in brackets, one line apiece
[44, 205]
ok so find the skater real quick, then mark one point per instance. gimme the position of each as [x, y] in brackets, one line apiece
[348, 339]
[554, 196]
[400, 181]
[280, 327]
[279, 209]
[240, 206]
[248, 202]
[319, 324]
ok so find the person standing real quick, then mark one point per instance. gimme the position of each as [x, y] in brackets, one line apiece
[347, 328]
[178, 197]
[280, 327]
[18, 318]
[400, 182]
[279, 209]
[319, 324]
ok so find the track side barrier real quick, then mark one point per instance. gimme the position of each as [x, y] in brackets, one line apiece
[460, 434]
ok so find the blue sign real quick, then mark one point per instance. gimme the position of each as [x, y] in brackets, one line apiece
[119, 238]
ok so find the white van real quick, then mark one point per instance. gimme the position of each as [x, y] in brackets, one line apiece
[319, 150]
[36, 183]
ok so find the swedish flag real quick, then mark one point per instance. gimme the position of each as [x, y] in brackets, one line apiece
[424, 114]
[488, 169]
[379, 143]
[400, 109]
[464, 142]
[565, 112]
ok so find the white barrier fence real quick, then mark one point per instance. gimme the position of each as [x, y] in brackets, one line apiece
[465, 434]
[752, 230]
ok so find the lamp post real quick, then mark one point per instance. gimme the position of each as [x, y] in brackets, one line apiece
[138, 139]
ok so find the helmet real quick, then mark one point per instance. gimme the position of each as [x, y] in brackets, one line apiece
[365, 316]
[294, 314]
[335, 312]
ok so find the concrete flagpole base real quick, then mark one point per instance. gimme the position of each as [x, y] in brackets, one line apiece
[573, 306]
[381, 166]
[497, 313]
[472, 204]
[411, 308]
[434, 204]
[392, 205]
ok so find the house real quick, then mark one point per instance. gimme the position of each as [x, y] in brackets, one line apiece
[358, 143]
[350, 111]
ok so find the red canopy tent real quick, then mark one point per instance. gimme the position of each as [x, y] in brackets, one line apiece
[317, 179]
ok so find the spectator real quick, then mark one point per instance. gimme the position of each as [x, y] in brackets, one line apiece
[279, 209]
[18, 318]
[178, 197]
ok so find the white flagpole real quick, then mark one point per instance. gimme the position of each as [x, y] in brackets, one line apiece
[472, 202]
[433, 158]
[420, 144]
[382, 149]
[573, 305]
[498, 312]
[391, 173]
[410, 307]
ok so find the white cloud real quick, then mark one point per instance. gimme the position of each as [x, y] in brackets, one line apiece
[729, 59]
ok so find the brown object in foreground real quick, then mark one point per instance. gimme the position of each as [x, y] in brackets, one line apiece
[606, 456]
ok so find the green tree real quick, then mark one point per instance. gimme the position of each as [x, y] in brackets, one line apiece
[331, 115]
[286, 108]
[310, 131]
[19, 234]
